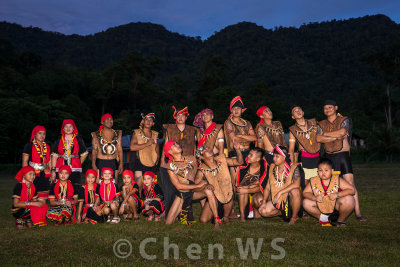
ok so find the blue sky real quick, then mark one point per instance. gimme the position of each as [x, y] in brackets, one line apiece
[189, 17]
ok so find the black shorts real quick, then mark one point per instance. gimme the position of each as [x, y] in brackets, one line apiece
[308, 163]
[41, 183]
[341, 162]
[245, 153]
[138, 166]
[106, 163]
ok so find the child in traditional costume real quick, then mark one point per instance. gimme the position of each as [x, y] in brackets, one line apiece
[26, 209]
[89, 210]
[153, 195]
[62, 199]
[131, 203]
[109, 197]
[329, 197]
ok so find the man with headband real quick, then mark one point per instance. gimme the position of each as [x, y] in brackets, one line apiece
[184, 135]
[144, 142]
[335, 134]
[212, 135]
[304, 133]
[269, 133]
[107, 147]
[282, 195]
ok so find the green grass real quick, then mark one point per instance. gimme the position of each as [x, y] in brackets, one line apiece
[375, 242]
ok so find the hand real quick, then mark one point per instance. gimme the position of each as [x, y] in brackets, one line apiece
[241, 190]
[277, 196]
[209, 187]
[68, 203]
[120, 168]
[94, 167]
[150, 142]
[333, 196]
[201, 184]
[236, 145]
[319, 198]
[38, 204]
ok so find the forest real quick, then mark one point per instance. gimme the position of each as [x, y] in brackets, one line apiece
[46, 77]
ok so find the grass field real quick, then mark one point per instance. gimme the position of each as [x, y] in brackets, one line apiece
[375, 242]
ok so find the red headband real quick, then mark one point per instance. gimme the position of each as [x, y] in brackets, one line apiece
[24, 170]
[90, 171]
[233, 102]
[65, 168]
[128, 172]
[182, 111]
[105, 116]
[198, 121]
[259, 112]
[35, 130]
[167, 147]
[287, 162]
[151, 174]
[107, 169]
[69, 121]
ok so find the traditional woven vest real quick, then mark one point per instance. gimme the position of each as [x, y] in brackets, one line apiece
[275, 134]
[327, 127]
[212, 137]
[237, 129]
[186, 139]
[219, 179]
[327, 206]
[307, 139]
[147, 155]
[275, 188]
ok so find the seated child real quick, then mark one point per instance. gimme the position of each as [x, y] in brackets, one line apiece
[89, 209]
[26, 209]
[329, 197]
[109, 197]
[62, 199]
[131, 203]
[153, 197]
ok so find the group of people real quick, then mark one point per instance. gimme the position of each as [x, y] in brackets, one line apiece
[213, 163]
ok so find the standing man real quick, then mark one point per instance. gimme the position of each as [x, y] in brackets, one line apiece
[335, 133]
[144, 142]
[107, 147]
[269, 133]
[304, 132]
[212, 135]
[185, 136]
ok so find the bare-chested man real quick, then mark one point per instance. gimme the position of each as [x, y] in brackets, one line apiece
[144, 142]
[329, 198]
[282, 195]
[212, 134]
[182, 171]
[107, 147]
[269, 133]
[335, 133]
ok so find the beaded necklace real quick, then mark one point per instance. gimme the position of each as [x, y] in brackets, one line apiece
[185, 170]
[279, 182]
[214, 171]
[42, 153]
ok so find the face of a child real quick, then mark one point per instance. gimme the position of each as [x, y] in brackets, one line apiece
[127, 179]
[325, 171]
[107, 175]
[68, 128]
[30, 176]
[90, 179]
[63, 175]
[147, 180]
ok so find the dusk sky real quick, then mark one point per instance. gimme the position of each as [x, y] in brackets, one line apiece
[189, 17]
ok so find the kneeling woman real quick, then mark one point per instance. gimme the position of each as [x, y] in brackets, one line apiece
[26, 209]
[62, 199]
[182, 172]
[89, 209]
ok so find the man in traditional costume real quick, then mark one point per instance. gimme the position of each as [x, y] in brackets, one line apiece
[304, 134]
[212, 134]
[251, 180]
[69, 150]
[182, 171]
[26, 209]
[144, 142]
[107, 147]
[269, 133]
[37, 155]
[216, 172]
[186, 137]
[329, 198]
[335, 134]
[282, 195]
